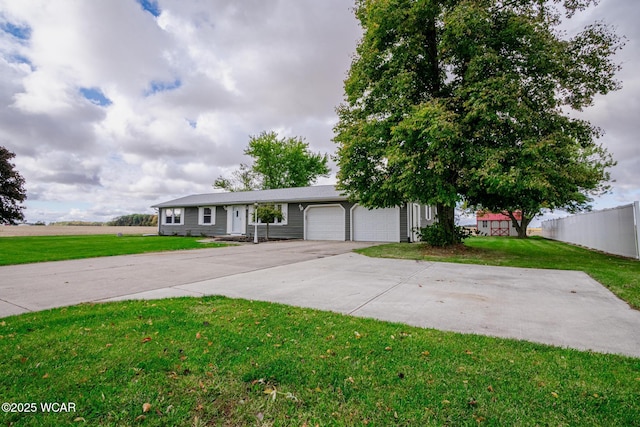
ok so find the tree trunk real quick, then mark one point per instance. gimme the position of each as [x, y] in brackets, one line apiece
[446, 216]
[521, 227]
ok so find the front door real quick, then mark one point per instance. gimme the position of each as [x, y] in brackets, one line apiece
[238, 220]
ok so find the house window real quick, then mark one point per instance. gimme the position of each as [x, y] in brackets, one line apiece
[485, 224]
[207, 215]
[172, 216]
[282, 207]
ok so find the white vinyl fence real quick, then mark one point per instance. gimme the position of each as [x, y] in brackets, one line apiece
[615, 231]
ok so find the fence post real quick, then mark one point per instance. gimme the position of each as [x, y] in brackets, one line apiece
[636, 224]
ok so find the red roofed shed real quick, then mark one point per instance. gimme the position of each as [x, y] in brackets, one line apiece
[496, 224]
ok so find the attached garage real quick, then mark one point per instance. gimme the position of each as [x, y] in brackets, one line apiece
[375, 225]
[324, 222]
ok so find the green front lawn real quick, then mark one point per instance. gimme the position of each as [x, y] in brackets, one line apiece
[22, 250]
[223, 362]
[620, 275]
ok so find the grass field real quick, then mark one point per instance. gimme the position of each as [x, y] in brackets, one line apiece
[72, 230]
[22, 250]
[217, 361]
[620, 275]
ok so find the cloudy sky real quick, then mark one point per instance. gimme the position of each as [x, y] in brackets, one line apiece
[114, 105]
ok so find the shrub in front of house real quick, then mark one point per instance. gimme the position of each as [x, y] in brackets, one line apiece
[437, 235]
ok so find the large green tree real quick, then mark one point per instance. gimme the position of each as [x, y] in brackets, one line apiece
[453, 99]
[277, 163]
[12, 192]
[518, 79]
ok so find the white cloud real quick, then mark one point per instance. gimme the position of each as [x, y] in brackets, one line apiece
[222, 70]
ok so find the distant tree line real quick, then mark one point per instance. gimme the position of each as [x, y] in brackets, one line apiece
[140, 220]
[74, 223]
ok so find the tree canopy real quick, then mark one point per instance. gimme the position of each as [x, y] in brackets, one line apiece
[12, 192]
[277, 163]
[268, 213]
[470, 99]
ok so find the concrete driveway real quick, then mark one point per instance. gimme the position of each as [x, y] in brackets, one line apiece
[563, 308]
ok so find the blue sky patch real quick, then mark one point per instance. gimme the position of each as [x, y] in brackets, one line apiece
[150, 6]
[22, 32]
[19, 59]
[96, 96]
[155, 86]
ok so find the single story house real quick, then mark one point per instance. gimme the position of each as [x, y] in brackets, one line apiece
[310, 213]
[496, 224]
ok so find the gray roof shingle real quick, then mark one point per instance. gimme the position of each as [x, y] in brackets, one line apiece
[319, 193]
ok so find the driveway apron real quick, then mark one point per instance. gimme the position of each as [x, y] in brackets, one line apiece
[562, 308]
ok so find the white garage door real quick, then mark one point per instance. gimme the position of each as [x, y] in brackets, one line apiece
[324, 223]
[376, 225]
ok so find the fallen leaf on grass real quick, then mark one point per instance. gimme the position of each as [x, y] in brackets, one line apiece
[146, 339]
[554, 394]
[271, 392]
[140, 417]
[146, 407]
[198, 336]
[78, 419]
[46, 375]
[290, 396]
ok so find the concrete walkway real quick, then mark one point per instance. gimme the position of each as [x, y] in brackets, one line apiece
[563, 308]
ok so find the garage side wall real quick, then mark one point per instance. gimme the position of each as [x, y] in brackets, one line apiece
[427, 215]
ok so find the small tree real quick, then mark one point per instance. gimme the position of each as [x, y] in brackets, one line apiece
[278, 163]
[268, 214]
[243, 179]
[12, 191]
